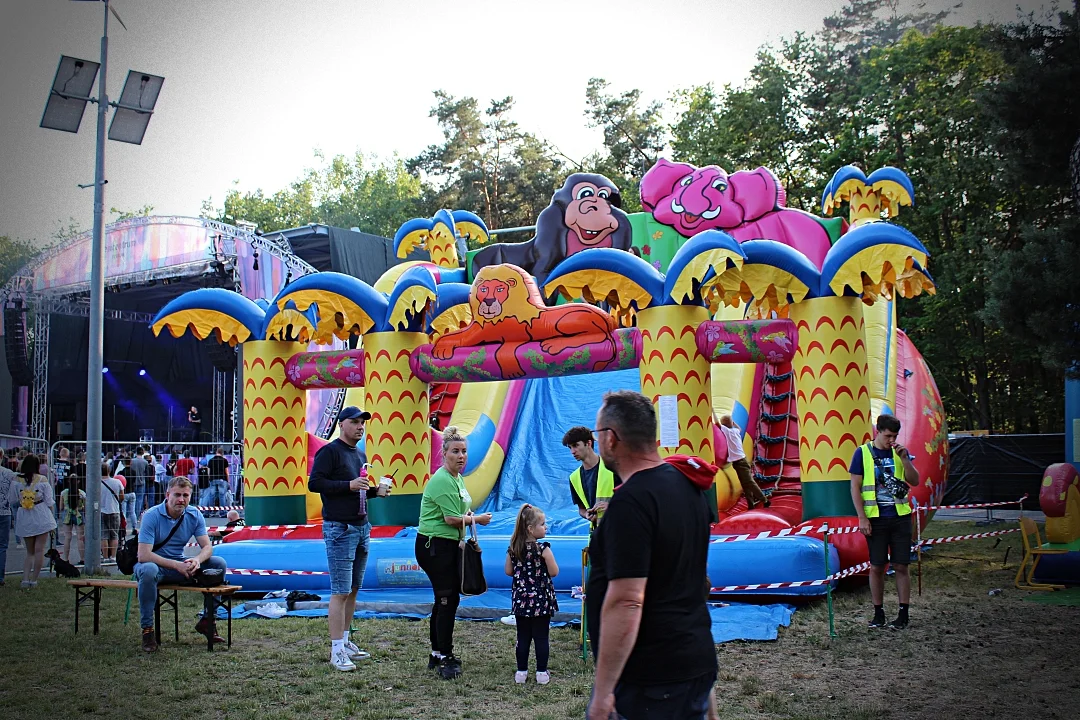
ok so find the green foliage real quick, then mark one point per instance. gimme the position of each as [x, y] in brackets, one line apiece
[14, 254]
[486, 164]
[144, 211]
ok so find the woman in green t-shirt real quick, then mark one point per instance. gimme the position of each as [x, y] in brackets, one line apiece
[445, 512]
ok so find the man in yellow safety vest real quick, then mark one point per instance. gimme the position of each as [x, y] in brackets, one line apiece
[592, 484]
[881, 475]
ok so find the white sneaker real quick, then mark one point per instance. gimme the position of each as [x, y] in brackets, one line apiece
[510, 620]
[521, 676]
[543, 678]
[356, 653]
[341, 661]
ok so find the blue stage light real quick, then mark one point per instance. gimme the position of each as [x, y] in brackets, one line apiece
[105, 370]
[142, 372]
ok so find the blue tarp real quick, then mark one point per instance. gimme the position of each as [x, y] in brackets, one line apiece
[730, 621]
[549, 408]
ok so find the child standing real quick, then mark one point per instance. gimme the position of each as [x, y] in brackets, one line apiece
[532, 565]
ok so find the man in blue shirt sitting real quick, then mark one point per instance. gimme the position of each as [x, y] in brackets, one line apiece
[164, 532]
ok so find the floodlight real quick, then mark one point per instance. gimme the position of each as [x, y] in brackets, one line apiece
[69, 94]
[135, 107]
[142, 372]
[105, 370]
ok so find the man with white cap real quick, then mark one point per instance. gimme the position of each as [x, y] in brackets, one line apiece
[338, 475]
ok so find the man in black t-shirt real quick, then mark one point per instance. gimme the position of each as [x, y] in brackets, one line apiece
[217, 469]
[656, 657]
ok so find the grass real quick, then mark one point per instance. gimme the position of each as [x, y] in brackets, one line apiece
[966, 655]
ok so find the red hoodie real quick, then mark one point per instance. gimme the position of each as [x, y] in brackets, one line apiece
[699, 472]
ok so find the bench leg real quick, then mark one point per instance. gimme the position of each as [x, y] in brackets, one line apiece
[97, 608]
[83, 596]
[77, 605]
[221, 601]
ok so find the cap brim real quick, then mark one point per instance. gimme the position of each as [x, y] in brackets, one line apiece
[364, 416]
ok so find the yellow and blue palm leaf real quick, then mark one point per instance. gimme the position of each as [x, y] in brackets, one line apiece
[211, 311]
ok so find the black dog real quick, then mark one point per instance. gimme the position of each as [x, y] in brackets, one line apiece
[62, 567]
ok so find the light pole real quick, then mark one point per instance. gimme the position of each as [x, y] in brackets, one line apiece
[63, 111]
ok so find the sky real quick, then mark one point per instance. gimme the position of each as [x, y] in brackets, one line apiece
[254, 87]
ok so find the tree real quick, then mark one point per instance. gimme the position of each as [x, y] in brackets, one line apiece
[634, 137]
[144, 211]
[14, 254]
[486, 164]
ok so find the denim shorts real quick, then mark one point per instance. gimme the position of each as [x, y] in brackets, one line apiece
[346, 554]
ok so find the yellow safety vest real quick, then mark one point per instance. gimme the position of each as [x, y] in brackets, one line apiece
[869, 483]
[605, 485]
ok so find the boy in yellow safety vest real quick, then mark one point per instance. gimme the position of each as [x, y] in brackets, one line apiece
[592, 484]
[881, 475]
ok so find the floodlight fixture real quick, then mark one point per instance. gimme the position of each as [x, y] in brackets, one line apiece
[142, 372]
[135, 107]
[105, 370]
[69, 94]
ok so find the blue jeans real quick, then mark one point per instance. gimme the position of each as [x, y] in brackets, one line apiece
[140, 499]
[150, 575]
[128, 511]
[5, 532]
[346, 554]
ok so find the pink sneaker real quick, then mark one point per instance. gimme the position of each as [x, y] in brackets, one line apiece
[521, 676]
[543, 678]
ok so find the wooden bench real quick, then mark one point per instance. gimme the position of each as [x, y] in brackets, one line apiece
[89, 590]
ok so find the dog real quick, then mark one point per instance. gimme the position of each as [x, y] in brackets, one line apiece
[62, 567]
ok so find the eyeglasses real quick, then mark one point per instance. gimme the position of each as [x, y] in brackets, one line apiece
[597, 431]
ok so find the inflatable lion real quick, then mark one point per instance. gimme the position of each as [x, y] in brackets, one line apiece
[508, 311]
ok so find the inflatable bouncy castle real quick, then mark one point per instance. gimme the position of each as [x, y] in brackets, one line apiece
[736, 305]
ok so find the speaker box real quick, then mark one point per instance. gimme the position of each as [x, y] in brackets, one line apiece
[222, 356]
[15, 346]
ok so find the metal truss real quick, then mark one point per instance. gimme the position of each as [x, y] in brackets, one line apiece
[39, 417]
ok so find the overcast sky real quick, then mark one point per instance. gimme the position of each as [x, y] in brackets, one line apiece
[253, 87]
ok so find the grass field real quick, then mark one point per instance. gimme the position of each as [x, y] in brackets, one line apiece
[966, 655]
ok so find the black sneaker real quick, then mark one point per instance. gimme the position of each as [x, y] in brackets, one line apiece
[898, 624]
[878, 622]
[432, 662]
[449, 668]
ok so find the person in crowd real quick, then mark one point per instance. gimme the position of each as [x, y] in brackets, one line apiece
[737, 457]
[445, 512]
[593, 483]
[59, 472]
[160, 476]
[531, 564]
[127, 505]
[217, 495]
[7, 477]
[656, 657]
[881, 475]
[112, 496]
[31, 492]
[72, 517]
[165, 530]
[139, 477]
[338, 475]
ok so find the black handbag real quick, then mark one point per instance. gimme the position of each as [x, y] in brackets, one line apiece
[472, 567]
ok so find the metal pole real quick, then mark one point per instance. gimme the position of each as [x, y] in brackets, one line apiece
[92, 562]
[828, 584]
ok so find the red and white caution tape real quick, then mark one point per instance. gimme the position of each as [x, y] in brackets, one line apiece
[272, 527]
[241, 571]
[787, 532]
[976, 506]
[847, 572]
[217, 508]
[957, 538]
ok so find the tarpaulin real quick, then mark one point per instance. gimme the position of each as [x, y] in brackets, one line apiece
[997, 468]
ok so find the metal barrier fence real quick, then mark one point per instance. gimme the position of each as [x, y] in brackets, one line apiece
[152, 493]
[37, 445]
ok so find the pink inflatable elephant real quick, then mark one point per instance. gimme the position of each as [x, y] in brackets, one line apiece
[748, 205]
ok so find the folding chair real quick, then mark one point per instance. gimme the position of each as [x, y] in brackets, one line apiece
[1033, 551]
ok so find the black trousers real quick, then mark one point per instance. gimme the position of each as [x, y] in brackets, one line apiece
[671, 701]
[533, 630]
[440, 559]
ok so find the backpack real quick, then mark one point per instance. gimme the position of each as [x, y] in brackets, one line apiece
[127, 555]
